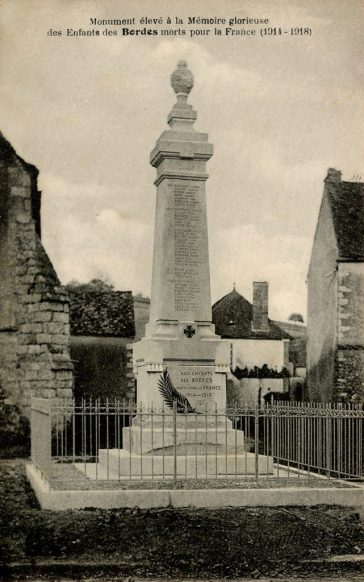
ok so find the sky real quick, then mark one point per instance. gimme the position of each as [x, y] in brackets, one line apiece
[279, 109]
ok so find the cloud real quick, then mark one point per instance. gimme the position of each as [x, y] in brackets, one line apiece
[87, 113]
[245, 254]
[85, 238]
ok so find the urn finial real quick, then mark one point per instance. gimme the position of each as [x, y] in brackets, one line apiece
[182, 79]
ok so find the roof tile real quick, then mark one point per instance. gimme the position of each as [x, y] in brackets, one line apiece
[347, 206]
[232, 316]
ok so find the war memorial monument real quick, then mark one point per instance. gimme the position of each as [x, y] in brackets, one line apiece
[180, 365]
[180, 337]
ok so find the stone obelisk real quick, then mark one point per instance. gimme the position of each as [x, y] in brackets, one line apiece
[180, 359]
[180, 337]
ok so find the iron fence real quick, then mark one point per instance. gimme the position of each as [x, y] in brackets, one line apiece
[117, 440]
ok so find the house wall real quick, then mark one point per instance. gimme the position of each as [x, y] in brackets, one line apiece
[252, 390]
[257, 352]
[349, 373]
[322, 309]
[34, 310]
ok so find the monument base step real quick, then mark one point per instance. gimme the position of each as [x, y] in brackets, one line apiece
[121, 464]
[141, 440]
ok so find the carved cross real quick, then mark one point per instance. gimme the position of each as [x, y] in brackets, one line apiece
[189, 331]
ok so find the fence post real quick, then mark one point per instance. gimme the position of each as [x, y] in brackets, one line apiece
[175, 440]
[256, 441]
[41, 431]
[328, 440]
[360, 444]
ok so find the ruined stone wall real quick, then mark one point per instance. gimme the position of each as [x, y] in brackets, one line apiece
[8, 340]
[34, 308]
[349, 372]
[322, 309]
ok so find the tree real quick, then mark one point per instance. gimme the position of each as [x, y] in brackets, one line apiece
[14, 429]
[100, 285]
[296, 317]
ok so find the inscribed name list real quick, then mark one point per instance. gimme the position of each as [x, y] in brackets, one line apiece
[189, 246]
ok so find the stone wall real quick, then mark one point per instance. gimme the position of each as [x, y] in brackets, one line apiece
[351, 304]
[34, 308]
[349, 372]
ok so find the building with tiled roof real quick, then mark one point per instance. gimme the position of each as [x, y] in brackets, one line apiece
[233, 318]
[258, 347]
[346, 200]
[335, 324]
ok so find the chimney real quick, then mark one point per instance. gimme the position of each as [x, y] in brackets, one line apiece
[260, 321]
[333, 176]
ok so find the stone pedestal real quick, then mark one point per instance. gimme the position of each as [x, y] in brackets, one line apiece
[197, 369]
[121, 464]
[192, 435]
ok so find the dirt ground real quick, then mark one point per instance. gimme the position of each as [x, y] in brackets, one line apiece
[160, 544]
[338, 578]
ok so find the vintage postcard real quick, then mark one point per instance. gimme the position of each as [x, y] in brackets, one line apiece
[182, 284]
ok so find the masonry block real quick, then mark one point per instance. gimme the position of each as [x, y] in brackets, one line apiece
[45, 374]
[61, 317]
[28, 338]
[47, 393]
[34, 349]
[44, 338]
[53, 327]
[30, 328]
[60, 339]
[42, 316]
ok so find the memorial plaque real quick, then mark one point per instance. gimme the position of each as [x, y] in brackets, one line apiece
[203, 388]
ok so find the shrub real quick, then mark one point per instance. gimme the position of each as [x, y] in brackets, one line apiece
[14, 429]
